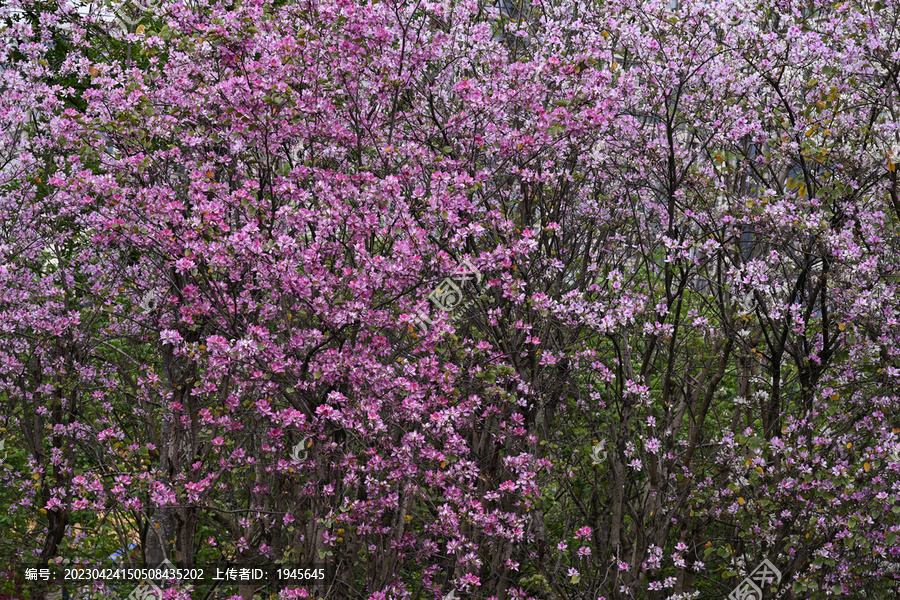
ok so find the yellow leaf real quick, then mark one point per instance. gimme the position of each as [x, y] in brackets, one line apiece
[849, 445]
[604, 33]
[443, 463]
[842, 326]
[93, 71]
[43, 511]
[867, 467]
[741, 501]
[891, 166]
[140, 29]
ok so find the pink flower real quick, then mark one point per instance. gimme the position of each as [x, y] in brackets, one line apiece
[182, 265]
[169, 336]
[508, 486]
[105, 434]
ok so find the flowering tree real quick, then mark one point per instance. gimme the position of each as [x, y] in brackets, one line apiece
[755, 187]
[235, 238]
